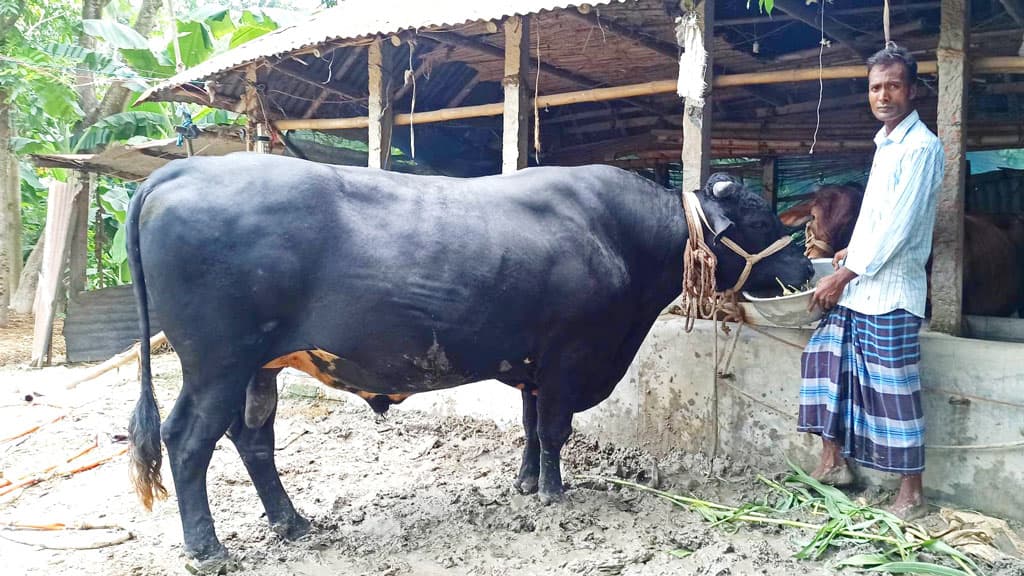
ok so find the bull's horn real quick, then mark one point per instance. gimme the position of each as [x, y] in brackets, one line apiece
[721, 189]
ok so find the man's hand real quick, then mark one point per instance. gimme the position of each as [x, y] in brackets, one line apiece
[837, 260]
[830, 289]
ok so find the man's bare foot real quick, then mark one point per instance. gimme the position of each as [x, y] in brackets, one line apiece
[908, 510]
[839, 475]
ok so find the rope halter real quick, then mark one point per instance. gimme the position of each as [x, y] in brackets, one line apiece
[700, 296]
[811, 242]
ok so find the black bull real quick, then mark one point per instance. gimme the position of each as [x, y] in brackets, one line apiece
[387, 284]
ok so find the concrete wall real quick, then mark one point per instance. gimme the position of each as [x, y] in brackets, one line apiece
[973, 394]
[664, 403]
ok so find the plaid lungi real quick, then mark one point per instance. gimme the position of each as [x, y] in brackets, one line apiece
[860, 387]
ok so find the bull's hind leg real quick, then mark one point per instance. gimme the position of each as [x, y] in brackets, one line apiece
[256, 448]
[529, 471]
[208, 403]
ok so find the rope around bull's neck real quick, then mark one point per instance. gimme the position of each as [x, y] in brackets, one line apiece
[700, 297]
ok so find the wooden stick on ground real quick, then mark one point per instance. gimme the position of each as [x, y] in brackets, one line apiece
[121, 359]
[53, 471]
[33, 428]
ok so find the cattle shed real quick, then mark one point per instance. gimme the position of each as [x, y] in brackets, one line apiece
[468, 89]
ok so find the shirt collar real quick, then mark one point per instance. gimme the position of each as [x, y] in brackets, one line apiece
[899, 132]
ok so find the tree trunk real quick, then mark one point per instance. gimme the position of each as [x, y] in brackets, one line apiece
[26, 294]
[117, 96]
[8, 222]
[91, 10]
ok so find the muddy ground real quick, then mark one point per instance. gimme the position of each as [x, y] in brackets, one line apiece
[412, 494]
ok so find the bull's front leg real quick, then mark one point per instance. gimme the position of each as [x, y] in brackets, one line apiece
[529, 471]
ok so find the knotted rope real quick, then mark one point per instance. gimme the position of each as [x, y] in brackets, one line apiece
[811, 241]
[701, 298]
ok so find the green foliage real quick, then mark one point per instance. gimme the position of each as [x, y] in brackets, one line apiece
[763, 6]
[125, 126]
[116, 34]
[837, 523]
[252, 26]
[42, 62]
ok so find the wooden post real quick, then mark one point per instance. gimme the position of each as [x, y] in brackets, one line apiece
[58, 226]
[381, 113]
[79, 238]
[697, 119]
[517, 101]
[769, 180]
[262, 143]
[661, 174]
[948, 243]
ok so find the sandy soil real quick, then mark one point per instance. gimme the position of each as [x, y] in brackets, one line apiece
[411, 494]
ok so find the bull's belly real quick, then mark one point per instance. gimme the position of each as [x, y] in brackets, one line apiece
[403, 376]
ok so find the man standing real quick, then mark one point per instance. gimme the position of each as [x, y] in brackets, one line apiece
[860, 388]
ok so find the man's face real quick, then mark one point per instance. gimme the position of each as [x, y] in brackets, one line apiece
[890, 94]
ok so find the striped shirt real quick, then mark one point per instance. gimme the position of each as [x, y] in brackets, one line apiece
[892, 239]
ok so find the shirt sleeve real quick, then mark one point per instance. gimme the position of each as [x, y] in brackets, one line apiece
[907, 198]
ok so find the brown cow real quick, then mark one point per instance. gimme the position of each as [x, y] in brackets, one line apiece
[829, 218]
[993, 247]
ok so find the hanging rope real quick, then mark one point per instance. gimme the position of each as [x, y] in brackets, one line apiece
[410, 76]
[885, 23]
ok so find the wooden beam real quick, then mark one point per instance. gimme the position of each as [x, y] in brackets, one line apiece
[776, 18]
[696, 151]
[381, 112]
[349, 61]
[470, 85]
[809, 15]
[491, 50]
[426, 63]
[317, 102]
[828, 103]
[516, 112]
[79, 235]
[640, 38]
[295, 75]
[1007, 64]
[948, 240]
[1015, 8]
[769, 179]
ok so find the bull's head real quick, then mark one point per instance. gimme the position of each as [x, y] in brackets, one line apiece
[736, 213]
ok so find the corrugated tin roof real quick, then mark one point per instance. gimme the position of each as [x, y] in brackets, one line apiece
[352, 19]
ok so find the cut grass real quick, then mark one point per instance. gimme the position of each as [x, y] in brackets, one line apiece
[844, 521]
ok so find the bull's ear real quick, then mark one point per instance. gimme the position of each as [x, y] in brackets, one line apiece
[719, 224]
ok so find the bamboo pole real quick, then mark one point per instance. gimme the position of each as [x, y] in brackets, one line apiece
[116, 361]
[992, 65]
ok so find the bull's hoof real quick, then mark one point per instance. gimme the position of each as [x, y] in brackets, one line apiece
[215, 564]
[293, 530]
[526, 484]
[548, 498]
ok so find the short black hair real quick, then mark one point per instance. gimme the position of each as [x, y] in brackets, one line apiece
[893, 54]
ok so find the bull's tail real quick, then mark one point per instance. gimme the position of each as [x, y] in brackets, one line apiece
[144, 429]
